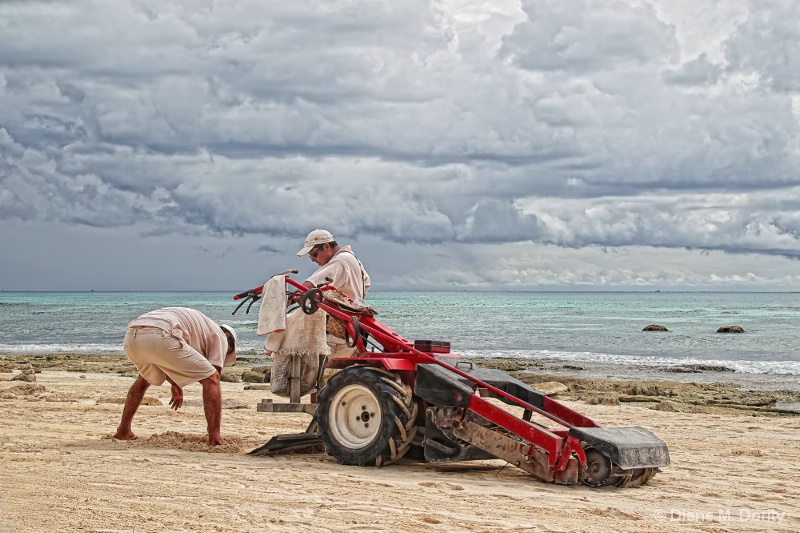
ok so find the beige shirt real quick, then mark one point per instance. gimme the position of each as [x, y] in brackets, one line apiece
[346, 272]
[192, 327]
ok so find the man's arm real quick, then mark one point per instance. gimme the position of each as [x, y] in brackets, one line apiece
[212, 405]
[330, 273]
[177, 395]
[294, 296]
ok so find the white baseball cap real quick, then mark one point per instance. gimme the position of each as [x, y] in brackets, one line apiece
[230, 358]
[318, 236]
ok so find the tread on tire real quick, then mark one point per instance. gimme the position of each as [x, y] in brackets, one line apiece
[366, 416]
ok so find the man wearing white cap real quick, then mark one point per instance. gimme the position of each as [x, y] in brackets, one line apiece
[342, 266]
[182, 346]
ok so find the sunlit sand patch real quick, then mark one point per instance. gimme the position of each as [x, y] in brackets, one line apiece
[191, 443]
[751, 453]
[121, 400]
[227, 403]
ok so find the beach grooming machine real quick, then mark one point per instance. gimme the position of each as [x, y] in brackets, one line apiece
[415, 399]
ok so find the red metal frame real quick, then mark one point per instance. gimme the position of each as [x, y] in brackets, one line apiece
[400, 355]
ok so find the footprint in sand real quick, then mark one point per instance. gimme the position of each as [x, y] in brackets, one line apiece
[444, 485]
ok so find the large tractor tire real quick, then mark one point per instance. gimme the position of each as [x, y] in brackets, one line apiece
[366, 416]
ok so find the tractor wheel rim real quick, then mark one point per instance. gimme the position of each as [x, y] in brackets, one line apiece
[355, 416]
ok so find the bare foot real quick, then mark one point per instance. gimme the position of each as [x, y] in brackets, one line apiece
[216, 441]
[129, 435]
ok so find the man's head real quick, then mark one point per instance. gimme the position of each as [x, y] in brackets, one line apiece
[320, 246]
[230, 334]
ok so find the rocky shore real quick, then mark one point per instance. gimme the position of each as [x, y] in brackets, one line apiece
[665, 395]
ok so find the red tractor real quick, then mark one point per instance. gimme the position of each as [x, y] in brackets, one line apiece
[399, 398]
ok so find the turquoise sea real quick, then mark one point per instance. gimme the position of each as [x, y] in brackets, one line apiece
[579, 333]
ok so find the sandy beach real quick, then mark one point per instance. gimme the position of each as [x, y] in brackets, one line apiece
[731, 471]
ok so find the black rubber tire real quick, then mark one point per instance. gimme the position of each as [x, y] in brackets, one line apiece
[366, 416]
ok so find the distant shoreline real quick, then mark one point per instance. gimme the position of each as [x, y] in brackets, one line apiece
[706, 374]
[688, 396]
[432, 290]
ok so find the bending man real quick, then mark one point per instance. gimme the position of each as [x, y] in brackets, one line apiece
[182, 346]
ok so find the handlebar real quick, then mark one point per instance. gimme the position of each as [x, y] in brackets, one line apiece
[255, 294]
[248, 293]
[258, 290]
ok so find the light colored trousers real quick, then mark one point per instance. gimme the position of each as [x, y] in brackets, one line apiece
[157, 354]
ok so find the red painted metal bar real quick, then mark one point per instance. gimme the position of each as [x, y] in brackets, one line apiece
[571, 444]
[385, 336]
[422, 357]
[536, 435]
[565, 413]
[382, 333]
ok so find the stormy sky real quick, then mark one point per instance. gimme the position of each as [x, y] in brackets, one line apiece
[514, 144]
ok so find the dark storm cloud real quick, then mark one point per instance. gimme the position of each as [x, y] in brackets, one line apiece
[432, 126]
[269, 250]
[496, 221]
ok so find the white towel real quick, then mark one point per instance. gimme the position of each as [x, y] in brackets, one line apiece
[274, 341]
[272, 313]
[304, 338]
[304, 335]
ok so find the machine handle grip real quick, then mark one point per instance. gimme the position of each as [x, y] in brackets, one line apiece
[258, 290]
[246, 293]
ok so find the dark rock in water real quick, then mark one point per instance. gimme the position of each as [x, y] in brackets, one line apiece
[655, 327]
[711, 368]
[506, 364]
[730, 329]
[678, 370]
[697, 368]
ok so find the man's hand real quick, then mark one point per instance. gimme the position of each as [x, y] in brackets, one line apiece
[292, 297]
[177, 397]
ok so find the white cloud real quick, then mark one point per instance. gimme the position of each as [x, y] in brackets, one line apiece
[446, 134]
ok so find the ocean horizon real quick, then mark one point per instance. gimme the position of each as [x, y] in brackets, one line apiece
[594, 333]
